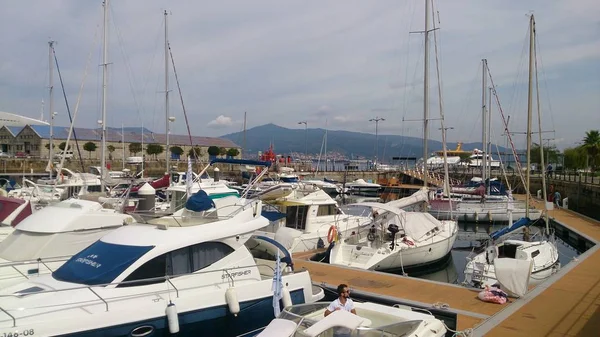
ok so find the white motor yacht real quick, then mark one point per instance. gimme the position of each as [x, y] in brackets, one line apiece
[196, 278]
[371, 319]
[309, 219]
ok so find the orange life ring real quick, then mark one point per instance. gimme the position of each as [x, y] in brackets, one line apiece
[332, 234]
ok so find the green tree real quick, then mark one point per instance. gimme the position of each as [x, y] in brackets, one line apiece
[233, 152]
[154, 149]
[135, 148]
[177, 150]
[574, 158]
[111, 149]
[48, 146]
[89, 147]
[214, 151]
[551, 154]
[222, 151]
[591, 144]
[195, 152]
[62, 146]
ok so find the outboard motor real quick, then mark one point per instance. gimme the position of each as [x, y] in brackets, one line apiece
[393, 229]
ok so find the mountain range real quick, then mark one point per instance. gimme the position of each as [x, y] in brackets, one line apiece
[350, 144]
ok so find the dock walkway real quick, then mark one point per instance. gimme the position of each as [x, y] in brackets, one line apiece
[566, 304]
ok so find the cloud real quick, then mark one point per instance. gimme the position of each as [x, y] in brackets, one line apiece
[221, 122]
[286, 62]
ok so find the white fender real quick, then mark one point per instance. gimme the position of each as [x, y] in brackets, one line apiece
[286, 297]
[490, 215]
[232, 301]
[172, 318]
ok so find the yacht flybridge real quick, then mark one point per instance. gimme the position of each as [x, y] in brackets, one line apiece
[196, 273]
[308, 219]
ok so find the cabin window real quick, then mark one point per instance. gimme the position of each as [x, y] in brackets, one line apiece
[327, 210]
[507, 250]
[535, 253]
[94, 188]
[296, 217]
[178, 262]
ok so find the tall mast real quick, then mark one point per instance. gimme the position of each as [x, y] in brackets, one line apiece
[483, 121]
[123, 143]
[244, 148]
[426, 95]
[104, 88]
[167, 128]
[529, 111]
[51, 99]
[488, 148]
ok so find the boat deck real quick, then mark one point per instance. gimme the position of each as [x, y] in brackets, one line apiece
[566, 304]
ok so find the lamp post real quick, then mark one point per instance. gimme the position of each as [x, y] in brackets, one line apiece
[51, 153]
[376, 120]
[305, 138]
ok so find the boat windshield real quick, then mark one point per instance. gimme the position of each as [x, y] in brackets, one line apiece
[99, 263]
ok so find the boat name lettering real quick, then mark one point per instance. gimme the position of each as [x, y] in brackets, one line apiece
[89, 260]
[29, 332]
[236, 273]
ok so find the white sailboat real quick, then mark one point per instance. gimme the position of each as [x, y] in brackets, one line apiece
[515, 264]
[398, 239]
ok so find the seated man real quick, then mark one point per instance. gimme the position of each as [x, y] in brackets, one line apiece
[343, 302]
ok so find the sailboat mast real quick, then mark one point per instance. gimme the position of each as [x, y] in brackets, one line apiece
[426, 95]
[104, 90]
[488, 148]
[529, 111]
[167, 131]
[483, 121]
[244, 148]
[51, 99]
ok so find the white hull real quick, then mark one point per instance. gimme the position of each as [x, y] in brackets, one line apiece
[297, 241]
[380, 257]
[474, 212]
[480, 273]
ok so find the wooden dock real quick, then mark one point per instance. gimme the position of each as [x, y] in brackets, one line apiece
[566, 304]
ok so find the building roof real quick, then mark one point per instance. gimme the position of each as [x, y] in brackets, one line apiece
[129, 135]
[10, 119]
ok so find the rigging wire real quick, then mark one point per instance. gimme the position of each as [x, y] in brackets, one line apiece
[187, 123]
[68, 110]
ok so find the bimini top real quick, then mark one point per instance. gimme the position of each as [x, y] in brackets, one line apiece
[241, 162]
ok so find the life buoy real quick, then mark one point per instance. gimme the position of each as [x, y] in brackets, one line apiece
[408, 241]
[332, 234]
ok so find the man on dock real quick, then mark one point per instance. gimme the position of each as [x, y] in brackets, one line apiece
[343, 302]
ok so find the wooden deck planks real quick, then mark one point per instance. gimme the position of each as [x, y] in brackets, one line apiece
[401, 287]
[571, 305]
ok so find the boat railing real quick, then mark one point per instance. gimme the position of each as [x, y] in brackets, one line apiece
[226, 278]
[38, 261]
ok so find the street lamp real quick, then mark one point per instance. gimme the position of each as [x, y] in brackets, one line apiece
[376, 120]
[305, 138]
[51, 154]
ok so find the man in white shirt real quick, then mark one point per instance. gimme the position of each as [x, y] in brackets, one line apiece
[343, 302]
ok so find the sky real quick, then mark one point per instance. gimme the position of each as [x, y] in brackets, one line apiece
[334, 64]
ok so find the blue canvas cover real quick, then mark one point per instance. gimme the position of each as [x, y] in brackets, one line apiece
[273, 215]
[199, 202]
[522, 222]
[100, 263]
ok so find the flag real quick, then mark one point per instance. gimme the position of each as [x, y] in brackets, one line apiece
[277, 286]
[189, 178]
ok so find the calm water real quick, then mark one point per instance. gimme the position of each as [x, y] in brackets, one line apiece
[451, 269]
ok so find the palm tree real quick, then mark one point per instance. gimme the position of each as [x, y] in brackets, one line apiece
[591, 143]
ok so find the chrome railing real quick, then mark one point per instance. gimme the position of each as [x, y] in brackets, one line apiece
[225, 272]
